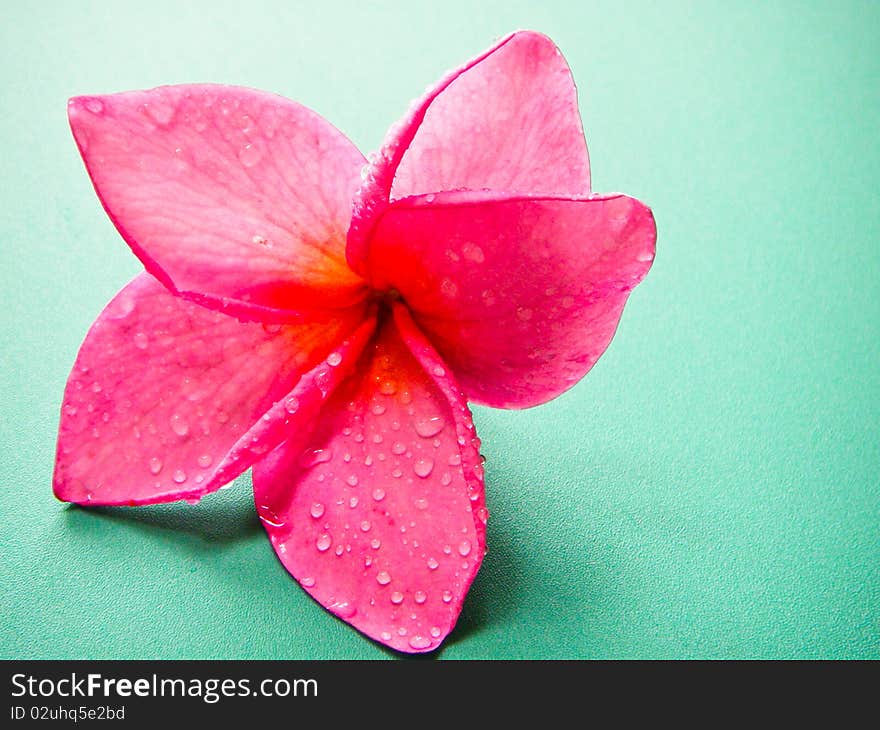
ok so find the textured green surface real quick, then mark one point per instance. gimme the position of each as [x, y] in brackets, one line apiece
[709, 490]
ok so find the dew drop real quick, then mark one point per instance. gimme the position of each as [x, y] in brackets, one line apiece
[352, 480]
[420, 597]
[323, 542]
[385, 636]
[160, 112]
[446, 479]
[382, 578]
[378, 494]
[365, 525]
[454, 460]
[179, 425]
[179, 476]
[375, 543]
[472, 252]
[95, 106]
[435, 631]
[205, 461]
[397, 598]
[433, 564]
[378, 409]
[343, 609]
[333, 359]
[311, 457]
[353, 502]
[339, 550]
[464, 548]
[250, 155]
[429, 427]
[421, 503]
[291, 404]
[316, 510]
[387, 387]
[523, 314]
[449, 288]
[645, 256]
[438, 371]
[424, 467]
[398, 448]
[155, 465]
[308, 581]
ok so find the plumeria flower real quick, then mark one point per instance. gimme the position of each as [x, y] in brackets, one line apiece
[325, 319]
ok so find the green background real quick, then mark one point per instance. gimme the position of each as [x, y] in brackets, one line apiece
[710, 489]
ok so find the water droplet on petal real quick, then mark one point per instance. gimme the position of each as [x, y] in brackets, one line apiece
[155, 465]
[311, 457]
[291, 404]
[308, 582]
[160, 112]
[420, 642]
[447, 596]
[472, 252]
[382, 578]
[353, 502]
[523, 314]
[420, 596]
[375, 543]
[365, 525]
[378, 494]
[250, 155]
[205, 460]
[179, 476]
[464, 548]
[387, 387]
[323, 542]
[316, 510]
[333, 359]
[397, 598]
[95, 106]
[433, 564]
[352, 480]
[429, 427]
[423, 467]
[435, 631]
[179, 425]
[398, 448]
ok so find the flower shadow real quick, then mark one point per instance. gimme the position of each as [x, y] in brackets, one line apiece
[225, 517]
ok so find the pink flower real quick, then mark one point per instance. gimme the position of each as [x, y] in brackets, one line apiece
[323, 319]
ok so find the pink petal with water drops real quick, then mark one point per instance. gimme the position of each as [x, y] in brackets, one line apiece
[519, 294]
[506, 120]
[164, 389]
[379, 511]
[235, 197]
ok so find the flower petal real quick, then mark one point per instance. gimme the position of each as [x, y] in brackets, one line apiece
[166, 397]
[520, 295]
[379, 512]
[507, 120]
[228, 195]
